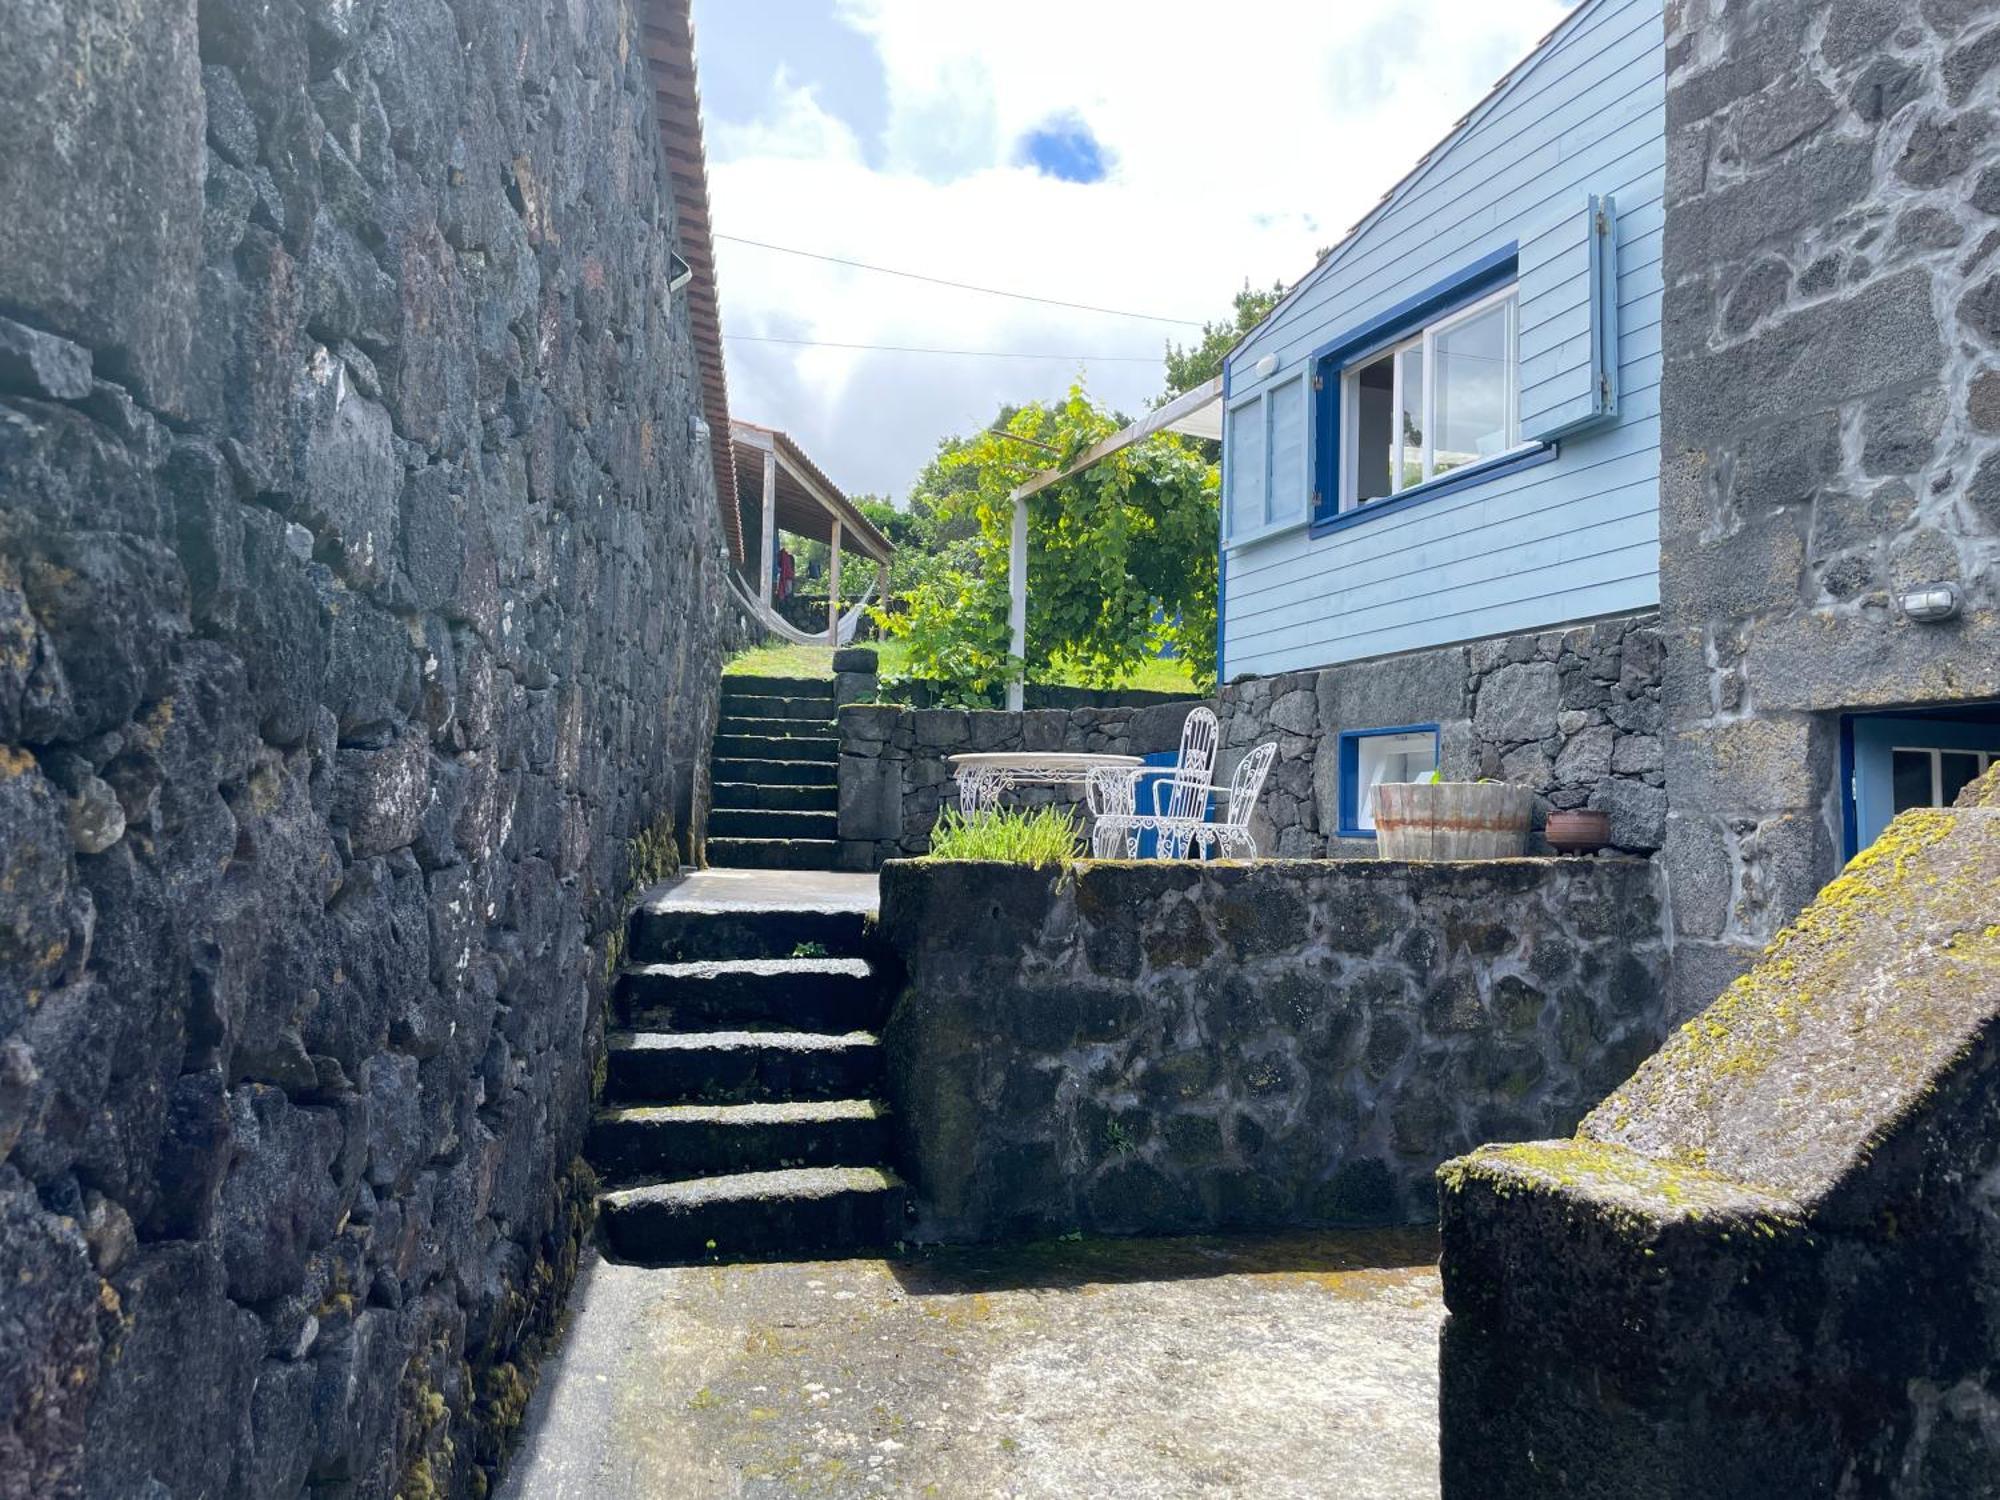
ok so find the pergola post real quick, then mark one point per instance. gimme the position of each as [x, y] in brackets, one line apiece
[768, 542]
[1017, 602]
[833, 589]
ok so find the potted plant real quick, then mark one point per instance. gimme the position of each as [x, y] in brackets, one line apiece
[1439, 819]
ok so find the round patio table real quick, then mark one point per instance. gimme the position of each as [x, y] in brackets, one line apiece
[984, 775]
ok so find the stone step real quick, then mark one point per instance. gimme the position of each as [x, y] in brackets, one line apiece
[777, 994]
[787, 1215]
[672, 1142]
[752, 796]
[773, 854]
[740, 1067]
[733, 823]
[673, 935]
[753, 685]
[777, 747]
[817, 710]
[766, 772]
[739, 726]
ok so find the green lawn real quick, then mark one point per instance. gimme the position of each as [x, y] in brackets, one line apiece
[786, 660]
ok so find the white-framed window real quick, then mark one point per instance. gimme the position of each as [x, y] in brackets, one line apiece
[1444, 397]
[1931, 775]
[1267, 455]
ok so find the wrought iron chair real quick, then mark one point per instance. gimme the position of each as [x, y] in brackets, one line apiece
[1228, 835]
[1114, 793]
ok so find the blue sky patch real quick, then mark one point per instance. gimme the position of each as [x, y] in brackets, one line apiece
[1065, 149]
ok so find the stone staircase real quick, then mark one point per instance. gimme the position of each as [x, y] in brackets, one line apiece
[775, 781]
[742, 1115]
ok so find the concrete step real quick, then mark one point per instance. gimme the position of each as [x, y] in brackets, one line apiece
[786, 1215]
[752, 796]
[669, 935]
[777, 747]
[741, 726]
[777, 994]
[752, 685]
[732, 823]
[765, 772]
[671, 1142]
[747, 706]
[740, 1067]
[773, 854]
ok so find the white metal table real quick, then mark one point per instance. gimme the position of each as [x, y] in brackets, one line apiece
[984, 775]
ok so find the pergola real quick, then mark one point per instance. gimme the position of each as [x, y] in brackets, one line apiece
[786, 490]
[1198, 413]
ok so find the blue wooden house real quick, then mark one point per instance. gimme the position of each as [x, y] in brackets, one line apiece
[1449, 429]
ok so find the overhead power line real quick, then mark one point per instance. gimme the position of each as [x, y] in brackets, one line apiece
[963, 286]
[1095, 359]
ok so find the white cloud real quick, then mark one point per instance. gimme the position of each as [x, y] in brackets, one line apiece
[1240, 139]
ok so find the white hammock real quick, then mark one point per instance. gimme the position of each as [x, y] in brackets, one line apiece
[778, 625]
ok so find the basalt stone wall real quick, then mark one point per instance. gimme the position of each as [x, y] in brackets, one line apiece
[1831, 423]
[895, 775]
[1769, 1264]
[1573, 713]
[359, 612]
[1151, 1048]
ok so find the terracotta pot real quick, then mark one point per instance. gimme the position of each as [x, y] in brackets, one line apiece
[1452, 820]
[1579, 832]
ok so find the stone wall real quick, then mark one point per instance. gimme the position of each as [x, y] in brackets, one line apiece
[1573, 713]
[1831, 423]
[1127, 1048]
[359, 608]
[894, 776]
[1769, 1264]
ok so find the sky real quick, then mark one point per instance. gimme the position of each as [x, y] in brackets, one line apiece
[1146, 156]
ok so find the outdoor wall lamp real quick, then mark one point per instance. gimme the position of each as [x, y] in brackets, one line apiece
[679, 273]
[1267, 366]
[1928, 606]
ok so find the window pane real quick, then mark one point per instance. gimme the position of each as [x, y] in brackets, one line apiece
[1372, 428]
[1960, 767]
[1288, 456]
[1388, 757]
[1246, 468]
[1410, 420]
[1910, 774]
[1472, 374]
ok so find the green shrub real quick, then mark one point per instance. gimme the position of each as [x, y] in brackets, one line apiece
[1016, 835]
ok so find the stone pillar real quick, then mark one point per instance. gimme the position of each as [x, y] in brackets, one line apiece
[1830, 427]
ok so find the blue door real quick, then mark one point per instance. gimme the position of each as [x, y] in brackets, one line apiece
[1901, 763]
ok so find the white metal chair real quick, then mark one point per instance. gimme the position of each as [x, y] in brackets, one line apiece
[1228, 835]
[1114, 793]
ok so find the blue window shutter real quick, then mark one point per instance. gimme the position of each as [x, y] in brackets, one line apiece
[1569, 323]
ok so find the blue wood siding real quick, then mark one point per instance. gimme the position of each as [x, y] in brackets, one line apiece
[1541, 545]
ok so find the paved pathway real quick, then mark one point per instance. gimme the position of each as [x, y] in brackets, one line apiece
[1273, 1367]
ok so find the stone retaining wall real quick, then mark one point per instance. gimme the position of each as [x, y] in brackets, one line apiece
[894, 775]
[360, 607]
[1573, 713]
[1132, 1048]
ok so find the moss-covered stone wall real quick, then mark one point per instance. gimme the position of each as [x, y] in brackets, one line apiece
[1129, 1048]
[1766, 1264]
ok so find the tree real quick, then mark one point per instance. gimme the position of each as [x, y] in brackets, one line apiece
[1121, 558]
[1189, 367]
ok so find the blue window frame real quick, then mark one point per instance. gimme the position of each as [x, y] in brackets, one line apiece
[1371, 756]
[1482, 281]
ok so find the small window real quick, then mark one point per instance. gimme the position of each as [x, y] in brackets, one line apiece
[1370, 757]
[1445, 398]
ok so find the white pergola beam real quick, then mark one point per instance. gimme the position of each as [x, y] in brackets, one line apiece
[768, 542]
[833, 588]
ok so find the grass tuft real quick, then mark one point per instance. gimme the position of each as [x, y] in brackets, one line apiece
[1012, 835]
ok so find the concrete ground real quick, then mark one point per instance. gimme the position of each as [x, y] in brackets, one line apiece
[819, 890]
[1268, 1366]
